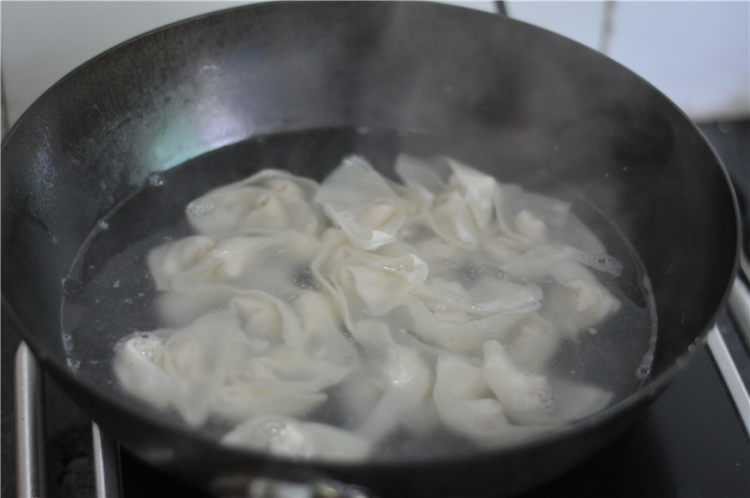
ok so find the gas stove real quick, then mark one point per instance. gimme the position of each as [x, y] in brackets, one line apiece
[693, 441]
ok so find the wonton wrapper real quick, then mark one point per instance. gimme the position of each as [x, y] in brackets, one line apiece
[461, 206]
[466, 406]
[402, 376]
[291, 438]
[231, 268]
[531, 399]
[189, 363]
[266, 203]
[579, 301]
[360, 201]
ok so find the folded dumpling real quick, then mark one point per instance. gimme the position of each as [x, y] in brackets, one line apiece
[534, 342]
[265, 317]
[282, 381]
[533, 399]
[186, 366]
[361, 202]
[540, 261]
[288, 437]
[400, 374]
[426, 177]
[579, 300]
[462, 211]
[460, 318]
[231, 267]
[528, 217]
[244, 360]
[368, 284]
[467, 406]
[525, 396]
[170, 259]
[531, 218]
[268, 202]
[456, 330]
[139, 375]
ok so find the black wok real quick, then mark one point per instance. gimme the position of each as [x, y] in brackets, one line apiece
[522, 102]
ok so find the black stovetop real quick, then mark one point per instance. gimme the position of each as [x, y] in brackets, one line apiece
[690, 443]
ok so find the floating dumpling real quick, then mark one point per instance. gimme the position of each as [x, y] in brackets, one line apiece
[579, 300]
[290, 438]
[403, 378]
[281, 382]
[268, 202]
[461, 205]
[525, 396]
[183, 369]
[467, 406]
[368, 284]
[232, 265]
[360, 202]
[169, 260]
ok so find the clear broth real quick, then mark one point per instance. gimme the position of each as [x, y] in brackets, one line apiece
[109, 293]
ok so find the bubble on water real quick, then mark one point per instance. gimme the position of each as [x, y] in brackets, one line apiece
[116, 284]
[71, 286]
[200, 207]
[73, 364]
[67, 341]
[691, 348]
[127, 300]
[156, 180]
[606, 264]
[258, 345]
[363, 130]
[103, 225]
[642, 372]
[54, 240]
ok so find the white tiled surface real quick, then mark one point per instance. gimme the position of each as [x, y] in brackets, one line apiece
[580, 21]
[698, 53]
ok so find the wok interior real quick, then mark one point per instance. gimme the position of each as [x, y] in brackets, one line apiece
[524, 104]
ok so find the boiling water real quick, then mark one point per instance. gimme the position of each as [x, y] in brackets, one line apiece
[110, 294]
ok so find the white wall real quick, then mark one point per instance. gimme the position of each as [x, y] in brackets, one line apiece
[696, 52]
[43, 41]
